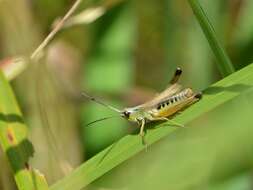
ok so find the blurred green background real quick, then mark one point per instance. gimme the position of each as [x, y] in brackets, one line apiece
[124, 57]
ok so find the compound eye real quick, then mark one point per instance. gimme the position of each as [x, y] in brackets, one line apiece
[126, 114]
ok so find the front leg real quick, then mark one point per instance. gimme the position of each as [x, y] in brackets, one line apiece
[142, 133]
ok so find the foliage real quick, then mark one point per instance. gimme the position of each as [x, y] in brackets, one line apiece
[120, 50]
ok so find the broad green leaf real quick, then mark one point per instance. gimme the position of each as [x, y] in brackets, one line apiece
[217, 94]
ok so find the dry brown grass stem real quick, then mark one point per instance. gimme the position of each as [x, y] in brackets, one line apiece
[58, 27]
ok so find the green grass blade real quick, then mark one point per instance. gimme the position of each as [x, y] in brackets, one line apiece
[14, 142]
[224, 64]
[219, 93]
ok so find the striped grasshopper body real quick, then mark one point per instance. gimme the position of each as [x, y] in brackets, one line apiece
[160, 108]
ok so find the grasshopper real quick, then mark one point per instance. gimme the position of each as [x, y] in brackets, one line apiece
[161, 108]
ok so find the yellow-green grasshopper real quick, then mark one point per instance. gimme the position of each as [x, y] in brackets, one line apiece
[160, 108]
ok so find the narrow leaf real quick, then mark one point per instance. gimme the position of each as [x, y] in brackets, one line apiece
[14, 142]
[223, 62]
[217, 94]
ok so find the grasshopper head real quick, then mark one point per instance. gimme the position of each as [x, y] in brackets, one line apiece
[125, 114]
[131, 114]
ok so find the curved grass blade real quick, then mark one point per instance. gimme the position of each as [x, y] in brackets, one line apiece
[224, 64]
[14, 142]
[217, 94]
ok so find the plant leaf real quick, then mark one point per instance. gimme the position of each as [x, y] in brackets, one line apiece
[13, 139]
[12, 67]
[217, 94]
[224, 64]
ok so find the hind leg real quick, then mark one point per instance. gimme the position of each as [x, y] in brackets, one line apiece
[176, 76]
[169, 122]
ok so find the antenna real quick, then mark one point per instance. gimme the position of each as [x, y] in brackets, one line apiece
[100, 102]
[101, 119]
